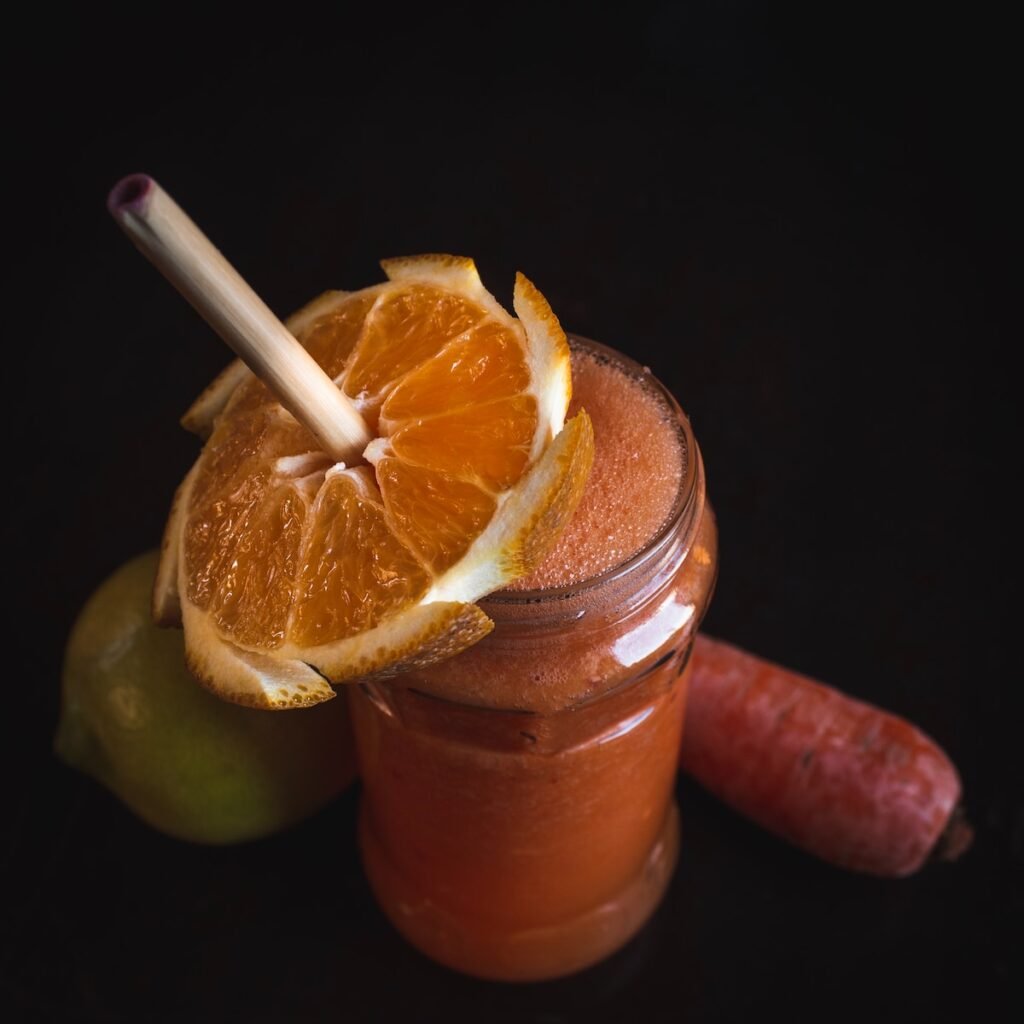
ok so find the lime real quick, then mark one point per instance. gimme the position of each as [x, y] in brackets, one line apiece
[191, 765]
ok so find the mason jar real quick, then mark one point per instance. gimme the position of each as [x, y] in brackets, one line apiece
[517, 815]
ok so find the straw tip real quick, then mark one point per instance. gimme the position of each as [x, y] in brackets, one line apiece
[130, 195]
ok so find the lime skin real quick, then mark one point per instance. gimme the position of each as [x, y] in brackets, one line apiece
[189, 764]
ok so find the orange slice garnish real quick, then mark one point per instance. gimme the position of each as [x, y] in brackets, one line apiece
[290, 572]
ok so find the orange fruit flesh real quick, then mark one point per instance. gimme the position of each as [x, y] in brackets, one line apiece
[276, 539]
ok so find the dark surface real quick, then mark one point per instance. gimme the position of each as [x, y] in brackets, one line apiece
[799, 225]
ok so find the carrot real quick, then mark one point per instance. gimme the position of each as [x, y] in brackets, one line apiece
[856, 786]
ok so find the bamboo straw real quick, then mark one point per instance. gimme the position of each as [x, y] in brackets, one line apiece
[165, 235]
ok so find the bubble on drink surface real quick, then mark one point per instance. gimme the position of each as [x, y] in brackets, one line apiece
[639, 461]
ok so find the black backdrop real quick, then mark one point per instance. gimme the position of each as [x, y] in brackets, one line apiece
[799, 222]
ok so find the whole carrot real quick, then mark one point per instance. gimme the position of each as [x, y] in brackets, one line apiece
[856, 786]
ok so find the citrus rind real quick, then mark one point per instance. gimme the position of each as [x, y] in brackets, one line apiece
[248, 677]
[419, 636]
[551, 348]
[166, 602]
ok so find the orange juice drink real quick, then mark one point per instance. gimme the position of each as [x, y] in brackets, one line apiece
[518, 820]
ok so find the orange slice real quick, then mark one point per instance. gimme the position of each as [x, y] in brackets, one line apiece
[290, 572]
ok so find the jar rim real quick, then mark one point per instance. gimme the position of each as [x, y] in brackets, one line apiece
[686, 494]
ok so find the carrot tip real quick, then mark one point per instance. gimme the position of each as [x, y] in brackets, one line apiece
[956, 838]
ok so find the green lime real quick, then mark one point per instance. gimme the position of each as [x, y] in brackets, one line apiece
[186, 762]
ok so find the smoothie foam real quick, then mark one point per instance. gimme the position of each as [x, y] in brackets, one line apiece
[638, 467]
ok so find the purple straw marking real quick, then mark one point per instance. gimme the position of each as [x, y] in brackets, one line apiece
[130, 195]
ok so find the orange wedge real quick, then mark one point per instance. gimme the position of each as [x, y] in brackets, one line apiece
[290, 572]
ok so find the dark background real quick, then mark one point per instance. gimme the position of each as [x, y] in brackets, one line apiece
[800, 222]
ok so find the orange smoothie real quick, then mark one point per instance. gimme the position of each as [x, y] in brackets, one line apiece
[517, 819]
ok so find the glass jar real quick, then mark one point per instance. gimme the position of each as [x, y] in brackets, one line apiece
[517, 818]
